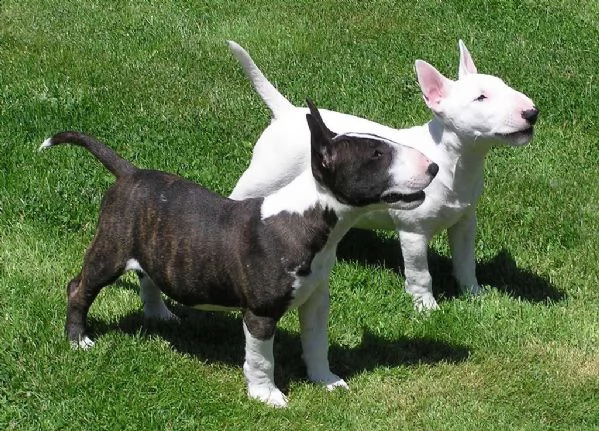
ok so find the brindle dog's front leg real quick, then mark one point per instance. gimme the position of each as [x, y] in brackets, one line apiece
[259, 364]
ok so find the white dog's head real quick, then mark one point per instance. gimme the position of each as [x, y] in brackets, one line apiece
[479, 106]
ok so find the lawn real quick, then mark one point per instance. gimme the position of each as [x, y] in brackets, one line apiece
[155, 80]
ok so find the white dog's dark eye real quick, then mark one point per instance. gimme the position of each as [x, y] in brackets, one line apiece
[481, 98]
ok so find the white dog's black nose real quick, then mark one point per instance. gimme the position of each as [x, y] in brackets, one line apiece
[531, 115]
[432, 169]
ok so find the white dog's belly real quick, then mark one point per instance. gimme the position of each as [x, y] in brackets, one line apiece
[212, 307]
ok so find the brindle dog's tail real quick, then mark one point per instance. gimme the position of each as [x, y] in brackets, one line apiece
[110, 159]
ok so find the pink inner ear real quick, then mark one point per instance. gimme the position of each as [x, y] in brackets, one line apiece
[432, 83]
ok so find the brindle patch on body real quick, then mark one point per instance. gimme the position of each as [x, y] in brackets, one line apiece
[200, 252]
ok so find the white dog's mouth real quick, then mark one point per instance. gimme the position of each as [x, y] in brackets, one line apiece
[403, 200]
[520, 137]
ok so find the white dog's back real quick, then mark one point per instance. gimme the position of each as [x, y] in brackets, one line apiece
[470, 116]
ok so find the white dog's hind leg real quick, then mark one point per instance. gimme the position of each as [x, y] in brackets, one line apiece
[462, 236]
[151, 298]
[258, 369]
[419, 283]
[314, 322]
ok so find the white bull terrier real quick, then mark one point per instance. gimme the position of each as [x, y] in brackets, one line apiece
[470, 116]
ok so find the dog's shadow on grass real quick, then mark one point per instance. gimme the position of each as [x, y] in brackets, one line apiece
[217, 337]
[501, 272]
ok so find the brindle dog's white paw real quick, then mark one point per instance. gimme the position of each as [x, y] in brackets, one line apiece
[270, 395]
[84, 343]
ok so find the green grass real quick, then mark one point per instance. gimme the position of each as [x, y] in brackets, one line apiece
[155, 80]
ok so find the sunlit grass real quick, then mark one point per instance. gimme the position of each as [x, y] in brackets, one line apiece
[155, 80]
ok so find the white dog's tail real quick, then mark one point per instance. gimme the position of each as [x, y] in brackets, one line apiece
[275, 101]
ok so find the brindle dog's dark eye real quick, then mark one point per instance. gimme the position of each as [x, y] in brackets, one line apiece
[377, 154]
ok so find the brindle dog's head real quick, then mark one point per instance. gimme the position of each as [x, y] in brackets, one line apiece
[362, 169]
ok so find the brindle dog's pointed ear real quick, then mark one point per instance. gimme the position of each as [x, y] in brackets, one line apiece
[317, 126]
[320, 141]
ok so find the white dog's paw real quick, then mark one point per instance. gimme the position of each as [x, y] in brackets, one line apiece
[161, 313]
[340, 383]
[425, 302]
[83, 343]
[472, 289]
[329, 380]
[270, 395]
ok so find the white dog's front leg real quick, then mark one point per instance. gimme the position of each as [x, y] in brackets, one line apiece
[462, 236]
[419, 283]
[314, 322]
[151, 298]
[258, 369]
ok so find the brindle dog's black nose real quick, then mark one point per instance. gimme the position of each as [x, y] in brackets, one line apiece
[432, 169]
[531, 115]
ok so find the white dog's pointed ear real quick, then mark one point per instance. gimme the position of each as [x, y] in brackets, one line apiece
[467, 66]
[433, 84]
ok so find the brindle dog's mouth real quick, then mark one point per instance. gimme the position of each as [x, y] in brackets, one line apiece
[393, 197]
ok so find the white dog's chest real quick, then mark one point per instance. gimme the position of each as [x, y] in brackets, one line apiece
[439, 211]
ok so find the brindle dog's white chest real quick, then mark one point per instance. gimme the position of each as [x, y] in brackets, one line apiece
[320, 269]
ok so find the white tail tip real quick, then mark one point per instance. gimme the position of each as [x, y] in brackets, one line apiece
[234, 45]
[47, 143]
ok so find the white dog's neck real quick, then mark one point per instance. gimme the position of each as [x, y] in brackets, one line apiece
[461, 156]
[303, 194]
